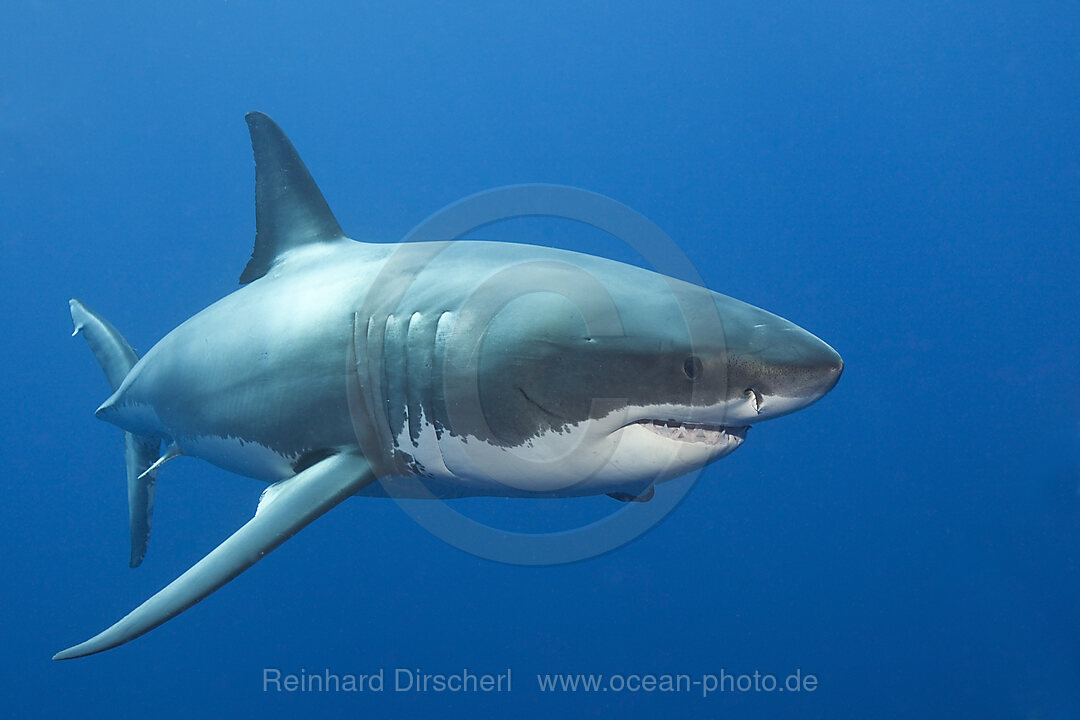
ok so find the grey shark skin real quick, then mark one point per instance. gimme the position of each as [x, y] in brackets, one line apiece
[437, 369]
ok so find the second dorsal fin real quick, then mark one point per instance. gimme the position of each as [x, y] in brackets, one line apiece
[289, 209]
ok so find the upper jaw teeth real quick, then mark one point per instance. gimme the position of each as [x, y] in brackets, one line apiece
[694, 432]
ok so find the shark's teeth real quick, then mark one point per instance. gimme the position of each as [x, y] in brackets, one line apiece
[694, 432]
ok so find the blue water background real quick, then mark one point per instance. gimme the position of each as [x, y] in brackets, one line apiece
[900, 178]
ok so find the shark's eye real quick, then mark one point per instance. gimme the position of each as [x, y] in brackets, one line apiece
[692, 367]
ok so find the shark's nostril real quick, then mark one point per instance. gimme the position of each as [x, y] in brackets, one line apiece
[756, 401]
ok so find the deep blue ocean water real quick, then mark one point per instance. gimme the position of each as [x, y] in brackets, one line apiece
[902, 179]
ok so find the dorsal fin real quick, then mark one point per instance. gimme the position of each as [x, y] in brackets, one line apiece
[289, 209]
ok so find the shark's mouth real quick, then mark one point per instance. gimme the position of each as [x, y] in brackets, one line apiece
[695, 432]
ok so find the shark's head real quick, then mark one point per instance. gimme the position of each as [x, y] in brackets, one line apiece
[624, 377]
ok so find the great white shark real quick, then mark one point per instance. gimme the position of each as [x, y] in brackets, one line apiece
[432, 369]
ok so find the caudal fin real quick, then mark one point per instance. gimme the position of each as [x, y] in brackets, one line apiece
[116, 358]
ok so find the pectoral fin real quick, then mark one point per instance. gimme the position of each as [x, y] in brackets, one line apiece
[644, 496]
[294, 503]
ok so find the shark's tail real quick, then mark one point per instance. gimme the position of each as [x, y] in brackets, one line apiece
[117, 358]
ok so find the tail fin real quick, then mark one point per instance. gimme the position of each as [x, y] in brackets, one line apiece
[116, 358]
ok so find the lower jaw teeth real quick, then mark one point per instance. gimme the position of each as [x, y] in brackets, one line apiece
[709, 435]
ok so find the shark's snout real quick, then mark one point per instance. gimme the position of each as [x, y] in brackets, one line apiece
[778, 367]
[816, 369]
